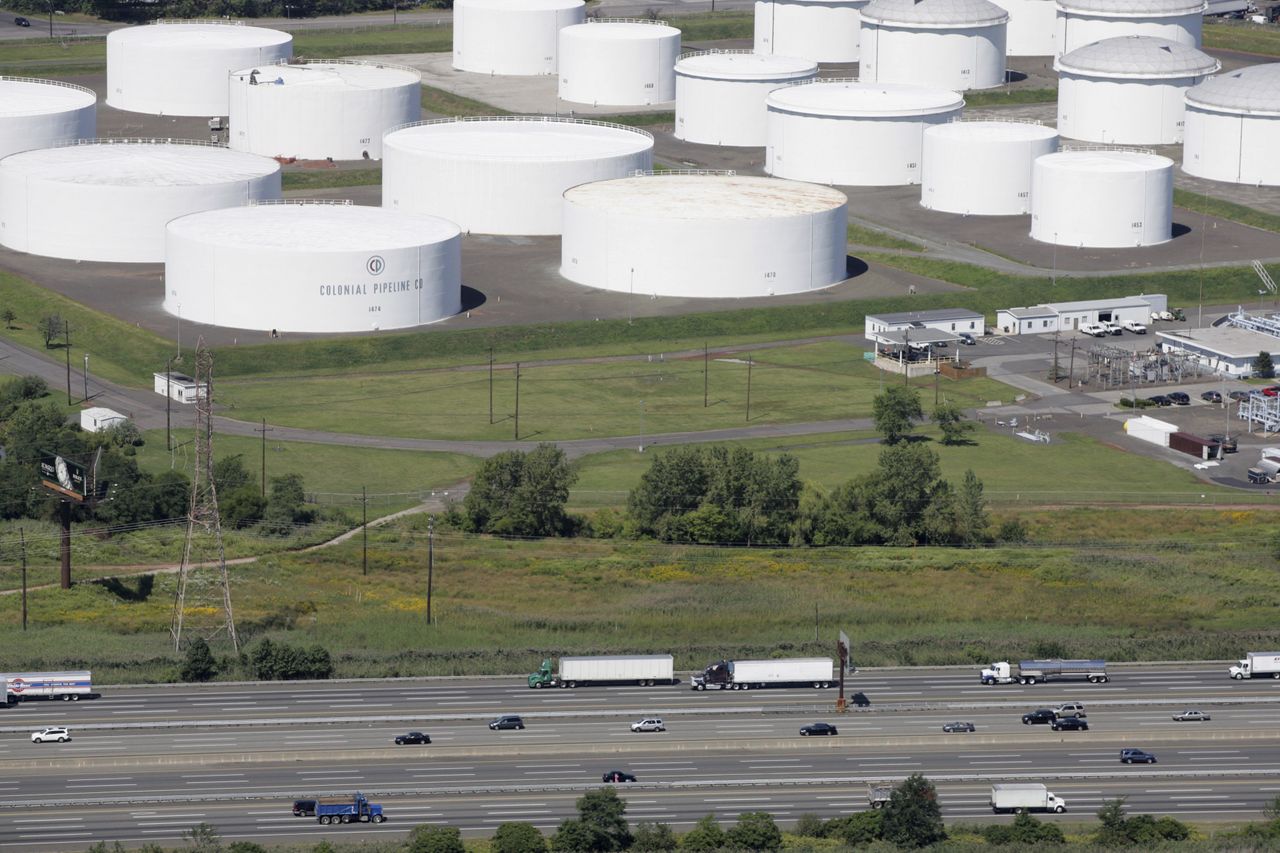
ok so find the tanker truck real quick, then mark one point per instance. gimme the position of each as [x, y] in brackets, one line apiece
[753, 674]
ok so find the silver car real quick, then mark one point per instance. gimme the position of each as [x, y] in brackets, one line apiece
[649, 724]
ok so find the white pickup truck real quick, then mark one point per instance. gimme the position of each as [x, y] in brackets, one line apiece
[1135, 327]
[1096, 329]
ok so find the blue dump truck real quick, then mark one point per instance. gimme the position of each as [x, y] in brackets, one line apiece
[358, 809]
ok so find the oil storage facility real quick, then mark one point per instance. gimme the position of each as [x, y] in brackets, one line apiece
[511, 37]
[180, 68]
[1128, 90]
[109, 199]
[1031, 26]
[619, 61]
[43, 113]
[1103, 198]
[1232, 130]
[720, 94]
[950, 44]
[312, 267]
[704, 235]
[982, 167]
[335, 109]
[851, 133]
[1082, 22]
[504, 174]
[821, 30]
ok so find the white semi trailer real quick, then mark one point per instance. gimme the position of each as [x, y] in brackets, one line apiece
[779, 672]
[22, 686]
[1257, 665]
[606, 669]
[1027, 797]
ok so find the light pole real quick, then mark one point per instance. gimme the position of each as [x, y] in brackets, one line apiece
[86, 377]
[631, 294]
[431, 542]
[642, 426]
[177, 359]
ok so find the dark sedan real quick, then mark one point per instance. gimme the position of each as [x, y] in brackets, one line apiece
[617, 776]
[1160, 400]
[1211, 396]
[959, 727]
[1040, 715]
[1069, 724]
[412, 738]
[1179, 398]
[818, 729]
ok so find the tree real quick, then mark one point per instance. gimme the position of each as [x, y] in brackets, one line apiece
[518, 837]
[51, 326]
[895, 412]
[245, 847]
[912, 817]
[809, 825]
[601, 814]
[284, 510]
[754, 831]
[706, 836]
[203, 838]
[1112, 819]
[230, 473]
[1025, 831]
[651, 837]
[1263, 368]
[521, 494]
[951, 420]
[199, 664]
[971, 510]
[856, 829]
[7, 315]
[429, 838]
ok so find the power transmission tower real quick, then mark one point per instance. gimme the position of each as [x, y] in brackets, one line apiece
[202, 576]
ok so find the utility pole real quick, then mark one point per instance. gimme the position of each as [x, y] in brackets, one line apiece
[517, 430]
[706, 362]
[22, 537]
[906, 356]
[364, 530]
[749, 360]
[66, 331]
[936, 373]
[1055, 357]
[86, 377]
[168, 404]
[431, 560]
[1071, 368]
[64, 543]
[264, 429]
[491, 386]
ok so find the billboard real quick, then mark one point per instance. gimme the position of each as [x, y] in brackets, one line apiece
[64, 476]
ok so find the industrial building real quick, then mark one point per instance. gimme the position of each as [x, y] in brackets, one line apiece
[71, 201]
[1227, 350]
[313, 267]
[720, 94]
[504, 174]
[511, 37]
[851, 133]
[1103, 198]
[1069, 316]
[949, 44]
[180, 68]
[619, 61]
[886, 328]
[1031, 27]
[769, 236]
[335, 109]
[982, 167]
[179, 387]
[820, 30]
[1128, 90]
[1082, 22]
[1232, 128]
[44, 113]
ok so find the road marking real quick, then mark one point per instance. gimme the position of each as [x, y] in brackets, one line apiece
[111, 785]
[45, 819]
[548, 765]
[1175, 790]
[207, 775]
[737, 799]
[1200, 796]
[60, 834]
[102, 779]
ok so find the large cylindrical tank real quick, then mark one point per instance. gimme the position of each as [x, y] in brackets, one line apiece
[619, 61]
[1128, 90]
[1031, 27]
[821, 30]
[109, 199]
[950, 44]
[180, 68]
[982, 167]
[44, 113]
[851, 133]
[1233, 127]
[704, 235]
[312, 267]
[515, 37]
[504, 174]
[335, 109]
[720, 94]
[1082, 22]
[1105, 198]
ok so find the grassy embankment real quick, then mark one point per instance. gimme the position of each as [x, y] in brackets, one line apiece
[1207, 204]
[1242, 36]
[1009, 96]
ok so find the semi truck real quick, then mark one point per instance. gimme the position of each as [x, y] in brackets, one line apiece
[1257, 665]
[357, 809]
[1025, 797]
[1032, 671]
[752, 674]
[645, 670]
[22, 686]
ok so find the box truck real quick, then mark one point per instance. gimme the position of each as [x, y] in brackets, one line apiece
[645, 670]
[1025, 797]
[22, 686]
[1031, 671]
[752, 674]
[1257, 665]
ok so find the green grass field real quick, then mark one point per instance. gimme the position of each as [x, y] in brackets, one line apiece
[1246, 37]
[1009, 97]
[860, 235]
[319, 179]
[372, 41]
[1243, 214]
[444, 103]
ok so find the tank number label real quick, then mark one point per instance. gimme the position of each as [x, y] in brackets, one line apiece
[1023, 194]
[365, 141]
[648, 85]
[771, 275]
[1137, 224]
[374, 308]
[913, 165]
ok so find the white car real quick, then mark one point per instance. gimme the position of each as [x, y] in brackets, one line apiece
[652, 724]
[1096, 329]
[56, 733]
[1135, 327]
[1112, 328]
[1162, 315]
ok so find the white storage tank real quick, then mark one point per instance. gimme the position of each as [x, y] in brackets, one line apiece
[43, 113]
[619, 61]
[1082, 22]
[514, 37]
[704, 235]
[1102, 198]
[1233, 127]
[180, 68]
[951, 44]
[982, 168]
[821, 30]
[851, 133]
[335, 109]
[1128, 90]
[312, 266]
[720, 94]
[504, 174]
[1031, 27]
[109, 199]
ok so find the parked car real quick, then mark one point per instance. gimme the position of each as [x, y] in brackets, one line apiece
[1239, 395]
[412, 738]
[506, 721]
[1136, 756]
[1271, 391]
[1179, 398]
[959, 727]
[1227, 442]
[1162, 315]
[1135, 327]
[304, 808]
[55, 733]
[21, 22]
[1211, 396]
[1160, 400]
[1040, 715]
[1069, 724]
[649, 724]
[967, 339]
[617, 776]
[1191, 717]
[818, 729]
[1112, 328]
[1070, 709]
[1096, 329]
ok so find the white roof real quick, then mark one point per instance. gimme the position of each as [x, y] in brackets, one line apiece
[706, 197]
[993, 131]
[198, 37]
[143, 164]
[1103, 161]
[358, 76]
[1225, 341]
[1138, 57]
[871, 100]
[620, 31]
[312, 228]
[531, 138]
[20, 96]
[1254, 90]
[745, 65]
[845, 3]
[933, 14]
[1103, 304]
[102, 413]
[1134, 8]
[520, 5]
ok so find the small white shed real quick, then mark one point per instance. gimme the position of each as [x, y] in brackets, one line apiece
[179, 387]
[1151, 430]
[98, 418]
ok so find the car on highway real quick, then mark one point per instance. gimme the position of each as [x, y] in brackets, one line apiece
[1191, 717]
[54, 733]
[1040, 715]
[959, 727]
[412, 738]
[1136, 756]
[818, 729]
[617, 776]
[1069, 724]
[506, 721]
[1179, 398]
[1070, 709]
[649, 724]
[1227, 442]
[21, 22]
[304, 808]
[1211, 396]
[1160, 400]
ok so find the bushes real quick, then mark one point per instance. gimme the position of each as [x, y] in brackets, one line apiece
[270, 661]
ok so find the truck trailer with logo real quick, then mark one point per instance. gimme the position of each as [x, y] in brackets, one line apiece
[24, 686]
